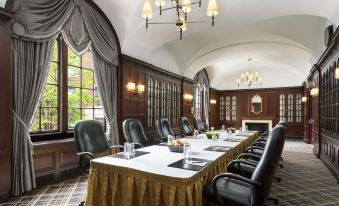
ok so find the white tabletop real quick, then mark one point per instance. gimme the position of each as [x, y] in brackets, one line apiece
[160, 156]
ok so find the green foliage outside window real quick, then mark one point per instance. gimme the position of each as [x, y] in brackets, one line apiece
[83, 96]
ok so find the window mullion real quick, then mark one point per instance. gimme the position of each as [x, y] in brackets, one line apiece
[64, 86]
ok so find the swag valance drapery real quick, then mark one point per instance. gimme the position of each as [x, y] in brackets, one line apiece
[35, 28]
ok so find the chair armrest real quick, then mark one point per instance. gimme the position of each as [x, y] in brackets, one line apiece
[253, 156]
[231, 176]
[88, 154]
[139, 145]
[255, 147]
[242, 161]
[259, 144]
[261, 140]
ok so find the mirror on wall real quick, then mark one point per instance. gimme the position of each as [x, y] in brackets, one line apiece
[256, 104]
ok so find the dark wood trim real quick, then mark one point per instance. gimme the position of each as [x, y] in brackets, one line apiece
[5, 105]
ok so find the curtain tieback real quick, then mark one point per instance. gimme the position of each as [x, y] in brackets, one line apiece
[20, 120]
[111, 122]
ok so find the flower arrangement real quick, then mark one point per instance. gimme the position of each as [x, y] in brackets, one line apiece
[211, 133]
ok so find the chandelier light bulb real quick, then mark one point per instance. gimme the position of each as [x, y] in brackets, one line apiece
[147, 10]
[186, 6]
[337, 73]
[160, 3]
[212, 9]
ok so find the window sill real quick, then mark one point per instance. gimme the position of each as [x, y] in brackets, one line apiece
[56, 136]
[56, 143]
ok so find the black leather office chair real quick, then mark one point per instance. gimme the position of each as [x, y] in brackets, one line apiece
[246, 162]
[233, 189]
[91, 142]
[185, 127]
[199, 125]
[134, 133]
[164, 129]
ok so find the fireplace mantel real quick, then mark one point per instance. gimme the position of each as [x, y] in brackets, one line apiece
[267, 121]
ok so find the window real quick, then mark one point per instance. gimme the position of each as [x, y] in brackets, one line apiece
[150, 94]
[290, 108]
[234, 108]
[156, 100]
[330, 101]
[46, 118]
[163, 100]
[197, 103]
[228, 108]
[80, 91]
[221, 108]
[298, 108]
[83, 95]
[282, 108]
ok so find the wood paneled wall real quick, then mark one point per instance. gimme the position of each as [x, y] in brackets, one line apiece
[5, 105]
[54, 160]
[270, 107]
[135, 106]
[326, 143]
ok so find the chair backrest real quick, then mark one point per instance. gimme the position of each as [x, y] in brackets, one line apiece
[90, 137]
[283, 122]
[185, 127]
[198, 124]
[133, 132]
[267, 165]
[164, 129]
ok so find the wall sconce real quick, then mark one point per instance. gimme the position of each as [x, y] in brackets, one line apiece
[131, 87]
[337, 73]
[304, 99]
[315, 92]
[188, 97]
[213, 101]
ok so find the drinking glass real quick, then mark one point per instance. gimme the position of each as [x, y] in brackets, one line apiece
[132, 150]
[170, 139]
[240, 130]
[223, 127]
[187, 153]
[127, 150]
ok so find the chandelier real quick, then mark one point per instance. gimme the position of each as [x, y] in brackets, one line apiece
[249, 78]
[182, 7]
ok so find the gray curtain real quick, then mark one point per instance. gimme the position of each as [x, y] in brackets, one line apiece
[36, 25]
[106, 75]
[30, 67]
[201, 83]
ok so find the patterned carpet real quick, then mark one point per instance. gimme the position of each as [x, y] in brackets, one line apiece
[305, 181]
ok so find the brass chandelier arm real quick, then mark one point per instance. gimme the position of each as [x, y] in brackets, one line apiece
[175, 7]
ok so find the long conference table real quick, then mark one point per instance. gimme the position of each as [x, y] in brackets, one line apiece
[147, 180]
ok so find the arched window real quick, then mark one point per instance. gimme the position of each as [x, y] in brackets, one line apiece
[221, 108]
[82, 94]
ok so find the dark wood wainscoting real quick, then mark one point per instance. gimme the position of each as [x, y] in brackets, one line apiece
[330, 152]
[5, 105]
[54, 160]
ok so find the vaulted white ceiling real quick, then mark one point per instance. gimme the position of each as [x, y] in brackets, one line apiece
[284, 38]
